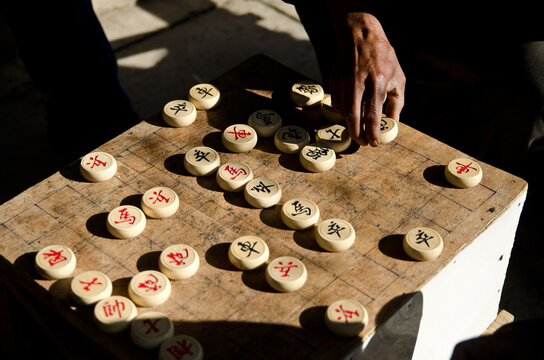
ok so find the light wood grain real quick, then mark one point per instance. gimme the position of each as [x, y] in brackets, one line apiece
[383, 192]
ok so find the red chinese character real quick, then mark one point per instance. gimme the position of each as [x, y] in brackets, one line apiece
[179, 256]
[239, 134]
[125, 217]
[462, 168]
[180, 349]
[159, 197]
[55, 257]
[347, 314]
[96, 162]
[89, 283]
[151, 323]
[235, 172]
[115, 309]
[285, 269]
[151, 284]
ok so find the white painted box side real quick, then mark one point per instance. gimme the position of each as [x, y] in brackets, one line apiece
[463, 299]
[459, 303]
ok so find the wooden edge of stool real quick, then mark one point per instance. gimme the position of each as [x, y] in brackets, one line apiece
[503, 318]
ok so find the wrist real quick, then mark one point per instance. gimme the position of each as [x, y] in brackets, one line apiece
[355, 27]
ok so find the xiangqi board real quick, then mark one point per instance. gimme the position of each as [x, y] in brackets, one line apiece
[382, 192]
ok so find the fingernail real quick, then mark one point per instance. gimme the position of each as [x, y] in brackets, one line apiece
[374, 143]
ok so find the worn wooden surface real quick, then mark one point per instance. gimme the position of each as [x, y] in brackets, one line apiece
[503, 318]
[382, 191]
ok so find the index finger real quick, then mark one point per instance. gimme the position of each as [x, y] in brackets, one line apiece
[373, 114]
[395, 103]
[352, 111]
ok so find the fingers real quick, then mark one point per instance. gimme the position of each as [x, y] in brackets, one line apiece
[373, 113]
[346, 100]
[395, 103]
[360, 100]
[352, 111]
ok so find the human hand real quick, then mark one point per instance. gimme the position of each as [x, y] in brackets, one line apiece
[366, 74]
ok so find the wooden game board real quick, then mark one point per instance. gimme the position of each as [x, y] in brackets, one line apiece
[382, 191]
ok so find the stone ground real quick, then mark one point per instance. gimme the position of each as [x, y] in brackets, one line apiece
[163, 47]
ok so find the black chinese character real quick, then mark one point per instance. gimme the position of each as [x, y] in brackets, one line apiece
[179, 107]
[300, 209]
[201, 155]
[261, 187]
[422, 237]
[307, 89]
[247, 246]
[266, 118]
[383, 125]
[204, 91]
[334, 228]
[316, 153]
[291, 133]
[333, 133]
